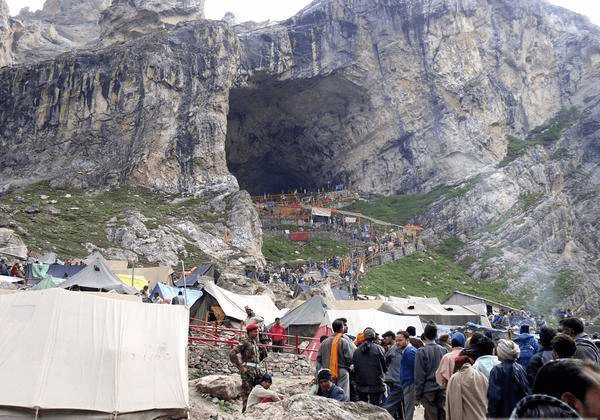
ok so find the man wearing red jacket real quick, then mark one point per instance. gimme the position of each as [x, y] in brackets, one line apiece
[277, 332]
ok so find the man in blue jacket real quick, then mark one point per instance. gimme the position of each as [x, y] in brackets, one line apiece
[528, 345]
[327, 388]
[407, 373]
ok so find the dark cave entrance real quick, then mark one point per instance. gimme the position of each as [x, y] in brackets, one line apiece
[283, 136]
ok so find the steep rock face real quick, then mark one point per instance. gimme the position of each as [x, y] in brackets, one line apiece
[66, 25]
[398, 96]
[61, 26]
[5, 35]
[536, 222]
[125, 20]
[151, 111]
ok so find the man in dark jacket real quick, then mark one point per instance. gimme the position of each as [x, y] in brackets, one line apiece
[427, 390]
[528, 345]
[327, 388]
[543, 356]
[392, 379]
[507, 382]
[586, 349]
[369, 367]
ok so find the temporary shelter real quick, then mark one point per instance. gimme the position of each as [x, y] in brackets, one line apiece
[305, 319]
[78, 355]
[135, 281]
[150, 275]
[231, 305]
[168, 292]
[466, 299]
[441, 314]
[10, 279]
[97, 276]
[197, 277]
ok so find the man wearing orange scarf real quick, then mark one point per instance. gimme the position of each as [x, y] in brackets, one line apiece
[335, 354]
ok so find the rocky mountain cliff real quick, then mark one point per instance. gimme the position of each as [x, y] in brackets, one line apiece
[388, 97]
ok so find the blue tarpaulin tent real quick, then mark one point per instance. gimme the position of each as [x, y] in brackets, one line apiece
[168, 292]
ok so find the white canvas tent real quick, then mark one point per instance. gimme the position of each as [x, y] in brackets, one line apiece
[75, 355]
[441, 314]
[233, 304]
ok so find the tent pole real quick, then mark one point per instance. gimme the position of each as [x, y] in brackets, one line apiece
[184, 282]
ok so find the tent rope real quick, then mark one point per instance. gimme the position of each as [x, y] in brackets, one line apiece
[37, 410]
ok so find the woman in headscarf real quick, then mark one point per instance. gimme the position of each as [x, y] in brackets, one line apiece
[507, 382]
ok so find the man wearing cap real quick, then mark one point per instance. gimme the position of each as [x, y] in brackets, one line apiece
[369, 367]
[250, 316]
[327, 388]
[446, 367]
[250, 355]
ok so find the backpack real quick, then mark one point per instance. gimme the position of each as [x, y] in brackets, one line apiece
[527, 352]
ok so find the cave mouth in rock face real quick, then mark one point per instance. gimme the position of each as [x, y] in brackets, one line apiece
[292, 135]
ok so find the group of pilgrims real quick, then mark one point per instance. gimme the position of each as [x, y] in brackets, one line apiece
[456, 376]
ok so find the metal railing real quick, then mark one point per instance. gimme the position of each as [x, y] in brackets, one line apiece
[211, 334]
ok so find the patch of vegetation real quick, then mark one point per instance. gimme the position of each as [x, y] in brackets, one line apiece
[429, 274]
[278, 250]
[399, 209]
[553, 129]
[194, 374]
[225, 407]
[467, 261]
[450, 247]
[561, 153]
[489, 253]
[566, 282]
[542, 135]
[63, 219]
[529, 200]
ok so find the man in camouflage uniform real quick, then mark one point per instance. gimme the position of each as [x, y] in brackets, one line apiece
[251, 355]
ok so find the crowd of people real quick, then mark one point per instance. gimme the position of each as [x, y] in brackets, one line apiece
[461, 375]
[14, 270]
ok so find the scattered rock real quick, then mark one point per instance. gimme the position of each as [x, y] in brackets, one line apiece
[222, 387]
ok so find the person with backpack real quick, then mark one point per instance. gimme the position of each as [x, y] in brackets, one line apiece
[508, 381]
[528, 345]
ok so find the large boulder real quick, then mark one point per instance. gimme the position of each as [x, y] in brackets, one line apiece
[223, 387]
[309, 407]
